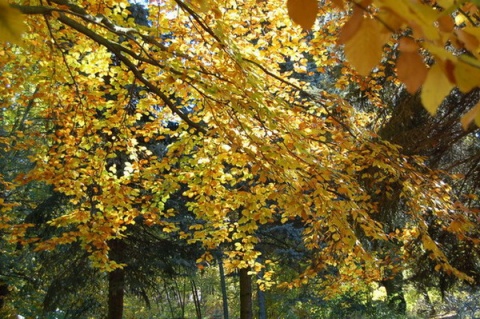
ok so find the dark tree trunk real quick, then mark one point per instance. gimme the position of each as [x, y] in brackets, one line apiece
[3, 293]
[116, 281]
[116, 285]
[245, 294]
[395, 296]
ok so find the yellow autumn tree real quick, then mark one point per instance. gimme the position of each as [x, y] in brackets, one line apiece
[253, 147]
[444, 31]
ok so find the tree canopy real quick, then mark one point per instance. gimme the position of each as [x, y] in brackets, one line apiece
[123, 108]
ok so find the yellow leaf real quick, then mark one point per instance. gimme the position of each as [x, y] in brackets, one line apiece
[343, 190]
[364, 49]
[411, 70]
[435, 89]
[445, 3]
[217, 13]
[391, 18]
[351, 26]
[303, 12]
[469, 36]
[11, 23]
[407, 45]
[338, 4]
[466, 76]
[419, 17]
[446, 23]
[472, 115]
[202, 5]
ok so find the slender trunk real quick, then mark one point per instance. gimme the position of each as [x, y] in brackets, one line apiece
[116, 281]
[169, 300]
[262, 304]
[196, 299]
[245, 294]
[181, 297]
[223, 285]
[261, 300]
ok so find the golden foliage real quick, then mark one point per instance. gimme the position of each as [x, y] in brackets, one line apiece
[432, 28]
[252, 147]
[11, 23]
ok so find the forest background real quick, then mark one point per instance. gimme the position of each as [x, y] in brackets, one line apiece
[243, 159]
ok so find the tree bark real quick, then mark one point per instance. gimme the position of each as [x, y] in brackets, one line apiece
[116, 292]
[196, 299]
[223, 285]
[3, 293]
[245, 294]
[395, 296]
[116, 281]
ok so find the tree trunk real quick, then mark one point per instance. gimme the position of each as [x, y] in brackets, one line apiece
[262, 304]
[3, 293]
[395, 296]
[116, 285]
[116, 281]
[196, 299]
[245, 294]
[169, 299]
[223, 285]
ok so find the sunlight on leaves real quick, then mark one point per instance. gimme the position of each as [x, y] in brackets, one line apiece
[303, 12]
[11, 23]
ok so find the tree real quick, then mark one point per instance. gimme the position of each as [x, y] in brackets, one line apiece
[252, 147]
[439, 140]
[446, 29]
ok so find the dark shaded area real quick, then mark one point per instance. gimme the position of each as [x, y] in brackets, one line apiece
[3, 293]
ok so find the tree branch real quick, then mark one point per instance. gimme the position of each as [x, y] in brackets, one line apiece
[114, 48]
